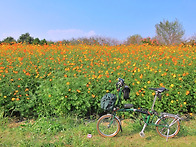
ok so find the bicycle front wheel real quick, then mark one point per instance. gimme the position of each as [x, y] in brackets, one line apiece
[168, 127]
[108, 126]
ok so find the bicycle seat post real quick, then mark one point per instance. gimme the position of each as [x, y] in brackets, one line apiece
[154, 100]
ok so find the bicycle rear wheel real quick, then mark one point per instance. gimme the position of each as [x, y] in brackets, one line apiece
[166, 123]
[108, 126]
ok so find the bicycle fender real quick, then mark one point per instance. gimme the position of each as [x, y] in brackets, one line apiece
[162, 116]
[170, 115]
[157, 121]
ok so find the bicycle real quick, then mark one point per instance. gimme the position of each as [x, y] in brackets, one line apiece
[167, 125]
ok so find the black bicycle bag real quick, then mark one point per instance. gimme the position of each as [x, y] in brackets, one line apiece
[126, 92]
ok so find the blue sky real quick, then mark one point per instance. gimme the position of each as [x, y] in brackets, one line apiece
[65, 19]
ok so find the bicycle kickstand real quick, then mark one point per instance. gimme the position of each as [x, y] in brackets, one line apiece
[142, 132]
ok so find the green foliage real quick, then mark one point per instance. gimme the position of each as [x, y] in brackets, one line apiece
[169, 32]
[56, 80]
[43, 42]
[9, 40]
[36, 41]
[25, 38]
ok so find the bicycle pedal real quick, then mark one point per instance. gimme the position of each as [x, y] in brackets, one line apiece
[142, 134]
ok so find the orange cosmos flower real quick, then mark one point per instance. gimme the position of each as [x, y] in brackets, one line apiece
[20, 58]
[187, 92]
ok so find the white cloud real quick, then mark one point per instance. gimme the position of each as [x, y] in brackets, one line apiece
[68, 34]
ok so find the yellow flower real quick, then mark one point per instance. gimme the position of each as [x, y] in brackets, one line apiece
[13, 99]
[184, 103]
[67, 83]
[172, 85]
[153, 93]
[107, 91]
[172, 101]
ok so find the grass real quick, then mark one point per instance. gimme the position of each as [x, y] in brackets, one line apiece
[71, 131]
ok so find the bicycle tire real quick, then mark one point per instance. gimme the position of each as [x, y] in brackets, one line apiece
[103, 126]
[173, 129]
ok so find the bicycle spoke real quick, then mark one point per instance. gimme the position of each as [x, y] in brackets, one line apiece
[171, 129]
[108, 126]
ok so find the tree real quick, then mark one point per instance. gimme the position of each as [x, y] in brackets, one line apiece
[43, 41]
[134, 39]
[9, 40]
[36, 41]
[169, 32]
[26, 38]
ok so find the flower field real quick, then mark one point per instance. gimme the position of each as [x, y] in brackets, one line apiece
[59, 79]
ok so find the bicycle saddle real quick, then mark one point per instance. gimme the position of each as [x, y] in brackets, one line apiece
[162, 89]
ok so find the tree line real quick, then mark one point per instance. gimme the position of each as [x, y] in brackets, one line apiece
[167, 33]
[24, 38]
